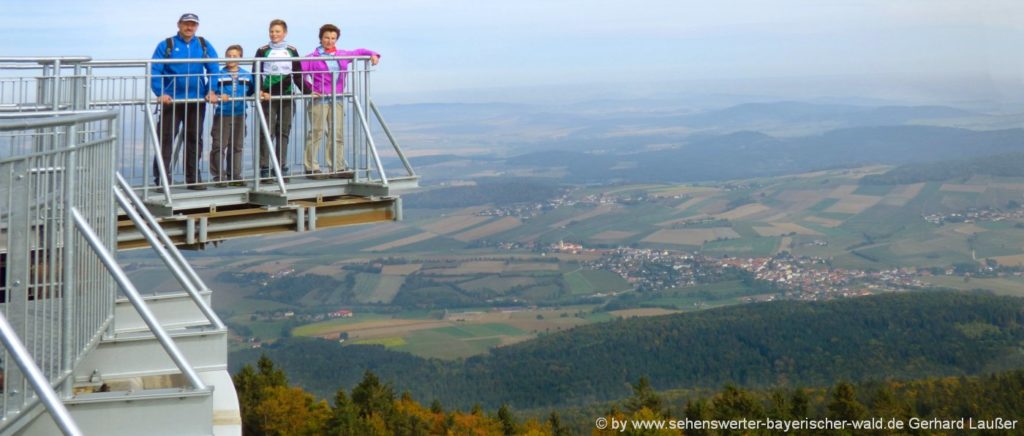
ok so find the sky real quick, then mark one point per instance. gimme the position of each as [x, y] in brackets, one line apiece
[539, 50]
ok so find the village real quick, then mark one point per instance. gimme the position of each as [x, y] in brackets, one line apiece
[977, 215]
[803, 278]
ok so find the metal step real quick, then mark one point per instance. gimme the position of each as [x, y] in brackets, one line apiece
[174, 310]
[205, 349]
[149, 412]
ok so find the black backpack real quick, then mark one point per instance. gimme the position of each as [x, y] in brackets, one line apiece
[170, 47]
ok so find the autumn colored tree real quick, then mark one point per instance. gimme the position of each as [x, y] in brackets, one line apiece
[251, 386]
[291, 411]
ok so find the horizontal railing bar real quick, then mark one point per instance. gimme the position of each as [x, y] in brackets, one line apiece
[33, 120]
[57, 151]
[138, 62]
[46, 59]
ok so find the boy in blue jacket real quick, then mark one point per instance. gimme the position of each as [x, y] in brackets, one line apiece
[180, 88]
[231, 85]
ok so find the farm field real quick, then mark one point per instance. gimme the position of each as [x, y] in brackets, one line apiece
[466, 256]
[1001, 285]
[458, 334]
[690, 236]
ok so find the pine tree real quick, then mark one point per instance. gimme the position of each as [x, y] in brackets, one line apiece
[508, 421]
[644, 396]
[344, 417]
[844, 404]
[735, 403]
[557, 428]
[371, 397]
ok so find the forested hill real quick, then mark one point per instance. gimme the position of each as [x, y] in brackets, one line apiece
[1002, 165]
[910, 335]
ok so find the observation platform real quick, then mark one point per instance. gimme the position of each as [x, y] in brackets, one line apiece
[196, 218]
[83, 176]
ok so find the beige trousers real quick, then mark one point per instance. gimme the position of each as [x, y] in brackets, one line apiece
[319, 115]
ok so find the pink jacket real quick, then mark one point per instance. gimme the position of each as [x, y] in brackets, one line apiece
[318, 76]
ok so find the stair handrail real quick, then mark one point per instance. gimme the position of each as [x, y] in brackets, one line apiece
[165, 248]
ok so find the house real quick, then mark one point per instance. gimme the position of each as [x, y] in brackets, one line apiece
[341, 314]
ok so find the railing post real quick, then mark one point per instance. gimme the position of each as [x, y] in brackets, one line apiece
[148, 131]
[18, 259]
[391, 139]
[55, 88]
[69, 279]
[270, 149]
[370, 145]
[164, 182]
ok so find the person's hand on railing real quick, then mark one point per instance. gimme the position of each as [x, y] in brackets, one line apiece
[374, 59]
[224, 98]
[264, 95]
[165, 99]
[211, 98]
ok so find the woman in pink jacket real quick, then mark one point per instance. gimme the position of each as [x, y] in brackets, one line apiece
[327, 81]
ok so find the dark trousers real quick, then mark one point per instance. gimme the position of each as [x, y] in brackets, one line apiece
[226, 147]
[279, 119]
[186, 118]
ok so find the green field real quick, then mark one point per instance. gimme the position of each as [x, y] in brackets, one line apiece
[1001, 285]
[588, 281]
[391, 342]
[481, 330]
[823, 204]
[267, 330]
[322, 327]
[577, 284]
[874, 190]
[714, 294]
[457, 341]
[605, 281]
[754, 247]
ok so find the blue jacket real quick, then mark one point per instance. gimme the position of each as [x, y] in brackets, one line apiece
[241, 86]
[185, 80]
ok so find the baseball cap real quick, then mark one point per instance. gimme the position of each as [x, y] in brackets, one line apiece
[189, 17]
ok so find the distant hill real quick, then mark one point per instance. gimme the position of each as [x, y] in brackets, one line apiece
[752, 154]
[489, 190]
[830, 114]
[1001, 165]
[907, 335]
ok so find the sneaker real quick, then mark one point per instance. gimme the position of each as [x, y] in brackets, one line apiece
[345, 174]
[236, 183]
[220, 185]
[264, 173]
[196, 187]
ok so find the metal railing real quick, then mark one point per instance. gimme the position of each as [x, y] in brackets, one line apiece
[56, 295]
[125, 86]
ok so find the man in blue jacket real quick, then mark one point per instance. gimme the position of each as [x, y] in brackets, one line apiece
[180, 88]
